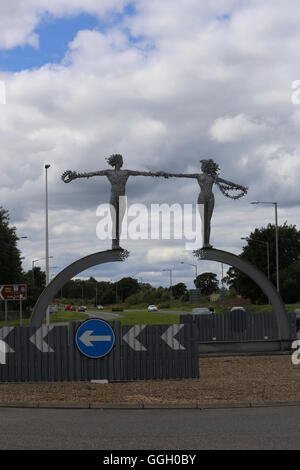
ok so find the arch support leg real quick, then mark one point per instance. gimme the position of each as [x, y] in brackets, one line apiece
[259, 278]
[67, 274]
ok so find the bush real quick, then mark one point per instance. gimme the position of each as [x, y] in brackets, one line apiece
[117, 309]
[164, 305]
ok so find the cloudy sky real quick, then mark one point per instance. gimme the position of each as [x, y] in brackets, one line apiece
[164, 83]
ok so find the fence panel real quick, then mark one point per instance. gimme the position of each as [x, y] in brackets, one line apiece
[49, 354]
[238, 326]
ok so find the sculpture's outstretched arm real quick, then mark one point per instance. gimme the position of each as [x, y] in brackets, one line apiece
[230, 183]
[69, 175]
[179, 175]
[145, 173]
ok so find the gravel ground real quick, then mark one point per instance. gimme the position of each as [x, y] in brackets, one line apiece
[224, 380]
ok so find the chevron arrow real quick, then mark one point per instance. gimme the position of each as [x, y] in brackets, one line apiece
[168, 337]
[38, 339]
[132, 341]
[4, 347]
[4, 332]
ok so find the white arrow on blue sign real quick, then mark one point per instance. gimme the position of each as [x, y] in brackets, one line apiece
[95, 338]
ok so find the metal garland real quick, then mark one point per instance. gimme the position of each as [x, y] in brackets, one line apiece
[225, 188]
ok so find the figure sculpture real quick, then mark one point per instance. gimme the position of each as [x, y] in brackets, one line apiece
[206, 180]
[118, 179]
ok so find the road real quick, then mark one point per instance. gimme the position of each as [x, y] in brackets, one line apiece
[102, 315]
[248, 428]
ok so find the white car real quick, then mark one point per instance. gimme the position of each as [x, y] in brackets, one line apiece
[53, 308]
[82, 308]
[234, 309]
[100, 307]
[201, 311]
[152, 308]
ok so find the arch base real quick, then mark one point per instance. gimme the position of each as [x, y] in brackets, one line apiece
[212, 254]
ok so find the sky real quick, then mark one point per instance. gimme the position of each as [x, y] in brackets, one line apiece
[163, 83]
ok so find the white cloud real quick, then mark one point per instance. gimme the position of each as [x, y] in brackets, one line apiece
[234, 129]
[196, 84]
[18, 19]
[164, 255]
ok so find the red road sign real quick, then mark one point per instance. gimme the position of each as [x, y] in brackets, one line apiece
[13, 292]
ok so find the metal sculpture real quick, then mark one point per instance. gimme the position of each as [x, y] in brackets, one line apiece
[118, 179]
[206, 199]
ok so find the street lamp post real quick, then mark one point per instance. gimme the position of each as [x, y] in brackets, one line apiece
[277, 247]
[190, 264]
[222, 282]
[47, 166]
[96, 293]
[170, 271]
[32, 267]
[275, 204]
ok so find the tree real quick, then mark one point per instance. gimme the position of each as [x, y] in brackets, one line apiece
[256, 253]
[207, 283]
[36, 282]
[178, 290]
[10, 256]
[106, 293]
[290, 291]
[126, 287]
[290, 283]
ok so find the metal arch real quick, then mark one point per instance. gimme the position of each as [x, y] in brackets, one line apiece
[259, 278]
[68, 273]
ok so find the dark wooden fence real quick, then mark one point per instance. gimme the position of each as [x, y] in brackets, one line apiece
[50, 354]
[238, 326]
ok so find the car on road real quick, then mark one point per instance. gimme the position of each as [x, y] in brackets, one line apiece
[53, 308]
[100, 307]
[152, 308]
[201, 311]
[70, 308]
[240, 309]
[82, 308]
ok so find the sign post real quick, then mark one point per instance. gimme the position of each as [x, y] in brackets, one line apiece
[21, 314]
[13, 292]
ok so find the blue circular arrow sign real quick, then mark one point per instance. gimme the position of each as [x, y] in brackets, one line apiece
[95, 338]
